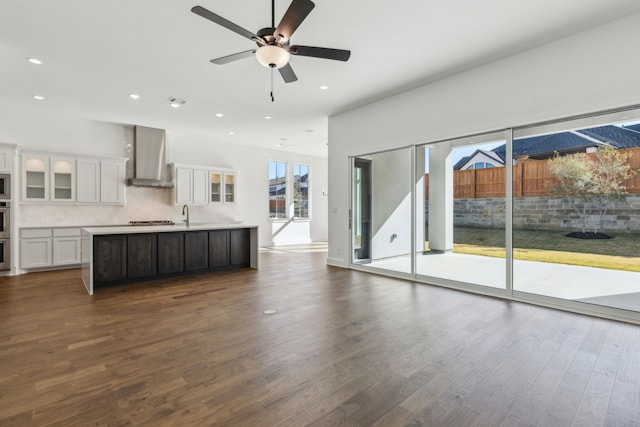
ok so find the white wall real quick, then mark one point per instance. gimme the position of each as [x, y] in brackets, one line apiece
[588, 72]
[39, 130]
[56, 133]
[391, 203]
[253, 190]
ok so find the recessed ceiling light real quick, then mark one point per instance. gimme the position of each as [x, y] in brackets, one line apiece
[324, 87]
[38, 97]
[268, 117]
[232, 133]
[219, 115]
[134, 96]
[35, 61]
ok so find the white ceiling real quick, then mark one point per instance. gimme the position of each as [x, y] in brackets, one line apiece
[96, 52]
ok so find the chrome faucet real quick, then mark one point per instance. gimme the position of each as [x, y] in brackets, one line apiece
[185, 207]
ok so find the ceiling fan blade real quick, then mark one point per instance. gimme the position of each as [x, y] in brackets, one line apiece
[293, 17]
[321, 52]
[233, 57]
[287, 74]
[207, 14]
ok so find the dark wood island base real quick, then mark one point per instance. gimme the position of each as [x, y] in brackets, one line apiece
[118, 255]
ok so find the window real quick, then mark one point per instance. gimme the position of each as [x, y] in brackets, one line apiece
[288, 190]
[300, 191]
[480, 165]
[277, 189]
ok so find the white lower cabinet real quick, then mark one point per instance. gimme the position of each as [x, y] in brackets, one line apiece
[49, 247]
[66, 246]
[35, 248]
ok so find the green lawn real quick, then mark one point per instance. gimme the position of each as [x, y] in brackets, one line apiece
[622, 252]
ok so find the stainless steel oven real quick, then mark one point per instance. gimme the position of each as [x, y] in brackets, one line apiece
[5, 254]
[5, 223]
[5, 186]
[5, 236]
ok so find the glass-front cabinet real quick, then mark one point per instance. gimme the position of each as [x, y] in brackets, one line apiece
[230, 187]
[203, 185]
[48, 178]
[222, 187]
[62, 180]
[215, 191]
[35, 176]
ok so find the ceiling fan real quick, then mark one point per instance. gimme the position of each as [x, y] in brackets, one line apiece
[273, 49]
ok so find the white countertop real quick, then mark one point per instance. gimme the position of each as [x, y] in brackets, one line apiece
[129, 229]
[33, 227]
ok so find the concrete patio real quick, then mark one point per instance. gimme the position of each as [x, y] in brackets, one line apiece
[613, 288]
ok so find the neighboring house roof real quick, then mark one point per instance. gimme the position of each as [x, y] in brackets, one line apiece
[542, 147]
[469, 159]
[635, 128]
[619, 137]
[463, 161]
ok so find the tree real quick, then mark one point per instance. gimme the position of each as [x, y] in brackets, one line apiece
[591, 181]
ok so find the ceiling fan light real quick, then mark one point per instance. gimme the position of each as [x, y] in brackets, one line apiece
[272, 56]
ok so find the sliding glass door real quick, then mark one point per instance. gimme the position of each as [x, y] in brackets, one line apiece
[576, 212]
[381, 210]
[547, 213]
[464, 211]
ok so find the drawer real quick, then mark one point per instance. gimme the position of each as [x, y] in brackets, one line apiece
[31, 233]
[66, 232]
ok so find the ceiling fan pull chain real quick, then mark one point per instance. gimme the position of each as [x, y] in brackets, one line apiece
[272, 98]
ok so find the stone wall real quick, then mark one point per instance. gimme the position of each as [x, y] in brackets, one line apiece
[543, 213]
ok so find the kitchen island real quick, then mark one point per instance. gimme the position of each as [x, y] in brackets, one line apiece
[128, 254]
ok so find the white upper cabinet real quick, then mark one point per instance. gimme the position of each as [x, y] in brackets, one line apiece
[35, 178]
[63, 179]
[215, 190]
[7, 154]
[184, 186]
[88, 179]
[56, 178]
[112, 182]
[202, 186]
[191, 186]
[229, 187]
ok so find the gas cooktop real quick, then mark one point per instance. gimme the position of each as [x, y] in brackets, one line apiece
[152, 222]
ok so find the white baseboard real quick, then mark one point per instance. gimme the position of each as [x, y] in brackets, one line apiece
[337, 262]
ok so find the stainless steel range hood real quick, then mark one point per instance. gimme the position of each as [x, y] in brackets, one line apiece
[149, 153]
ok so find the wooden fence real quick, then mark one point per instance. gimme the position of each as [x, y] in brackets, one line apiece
[530, 178]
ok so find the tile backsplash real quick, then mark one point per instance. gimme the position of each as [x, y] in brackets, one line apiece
[143, 203]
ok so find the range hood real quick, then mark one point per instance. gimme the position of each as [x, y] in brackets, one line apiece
[149, 152]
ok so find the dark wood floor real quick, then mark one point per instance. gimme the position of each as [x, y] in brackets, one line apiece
[344, 348]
